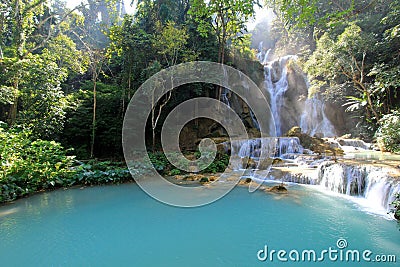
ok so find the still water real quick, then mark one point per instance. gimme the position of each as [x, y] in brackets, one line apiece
[122, 226]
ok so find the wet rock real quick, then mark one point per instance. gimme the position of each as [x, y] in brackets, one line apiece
[318, 145]
[280, 189]
[245, 181]
[249, 163]
[319, 135]
[277, 161]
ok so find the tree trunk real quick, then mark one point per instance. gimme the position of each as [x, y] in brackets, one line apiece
[94, 115]
[14, 106]
[371, 106]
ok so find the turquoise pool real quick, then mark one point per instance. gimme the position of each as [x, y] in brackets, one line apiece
[122, 226]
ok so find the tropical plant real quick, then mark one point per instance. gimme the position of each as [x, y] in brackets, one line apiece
[29, 165]
[388, 132]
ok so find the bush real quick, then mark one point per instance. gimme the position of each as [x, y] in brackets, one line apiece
[396, 207]
[388, 132]
[98, 173]
[29, 166]
[164, 167]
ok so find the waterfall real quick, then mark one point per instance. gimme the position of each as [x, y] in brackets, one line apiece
[260, 51]
[310, 116]
[373, 185]
[314, 121]
[262, 56]
[265, 61]
[277, 90]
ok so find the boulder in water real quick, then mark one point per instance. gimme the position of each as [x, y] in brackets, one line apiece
[280, 189]
[277, 161]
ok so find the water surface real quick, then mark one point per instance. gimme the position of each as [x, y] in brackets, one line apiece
[122, 226]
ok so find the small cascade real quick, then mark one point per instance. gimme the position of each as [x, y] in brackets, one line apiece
[355, 143]
[314, 121]
[253, 148]
[349, 145]
[263, 56]
[287, 146]
[281, 147]
[224, 97]
[373, 184]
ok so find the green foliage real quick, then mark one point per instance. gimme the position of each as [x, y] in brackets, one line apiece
[99, 173]
[225, 18]
[170, 42]
[34, 86]
[77, 131]
[219, 164]
[164, 167]
[341, 63]
[30, 165]
[388, 131]
[62, 50]
[396, 206]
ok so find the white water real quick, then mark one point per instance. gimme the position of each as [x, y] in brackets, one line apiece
[350, 145]
[265, 61]
[373, 187]
[269, 147]
[277, 91]
[314, 121]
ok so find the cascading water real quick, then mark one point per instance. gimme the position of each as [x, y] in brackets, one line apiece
[281, 147]
[265, 61]
[373, 185]
[277, 90]
[310, 117]
[314, 121]
[260, 51]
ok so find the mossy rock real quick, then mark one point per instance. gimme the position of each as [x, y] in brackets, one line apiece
[204, 180]
[280, 189]
[397, 215]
